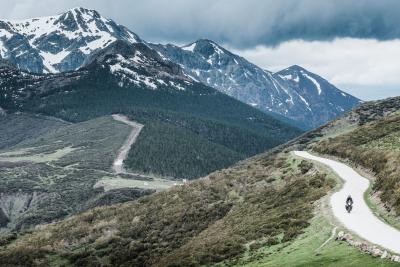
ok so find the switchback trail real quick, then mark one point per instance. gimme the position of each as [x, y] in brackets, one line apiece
[123, 151]
[138, 179]
[361, 220]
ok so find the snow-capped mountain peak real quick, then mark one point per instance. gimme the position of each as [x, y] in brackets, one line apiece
[294, 92]
[295, 73]
[61, 42]
[204, 47]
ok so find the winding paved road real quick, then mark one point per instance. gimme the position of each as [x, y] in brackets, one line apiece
[361, 220]
[123, 151]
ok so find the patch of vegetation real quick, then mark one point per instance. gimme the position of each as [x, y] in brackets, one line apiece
[175, 152]
[204, 222]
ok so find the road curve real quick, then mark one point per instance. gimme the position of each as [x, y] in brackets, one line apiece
[123, 151]
[361, 220]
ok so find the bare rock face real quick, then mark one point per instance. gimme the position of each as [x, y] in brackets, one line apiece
[294, 92]
[14, 206]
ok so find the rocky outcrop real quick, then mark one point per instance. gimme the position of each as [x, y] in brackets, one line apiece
[14, 205]
[372, 250]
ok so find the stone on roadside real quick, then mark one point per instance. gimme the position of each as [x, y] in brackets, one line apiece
[347, 237]
[376, 252]
[395, 258]
[384, 254]
[340, 235]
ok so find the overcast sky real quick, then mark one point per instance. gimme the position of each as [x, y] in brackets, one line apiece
[354, 44]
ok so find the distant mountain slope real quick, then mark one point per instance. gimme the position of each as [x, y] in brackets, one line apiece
[59, 43]
[135, 80]
[311, 100]
[322, 100]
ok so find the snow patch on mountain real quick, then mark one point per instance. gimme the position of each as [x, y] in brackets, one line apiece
[189, 48]
[317, 85]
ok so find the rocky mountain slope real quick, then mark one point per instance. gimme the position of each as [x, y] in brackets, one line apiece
[267, 210]
[294, 92]
[59, 43]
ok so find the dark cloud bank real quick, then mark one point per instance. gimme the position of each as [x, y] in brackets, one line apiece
[243, 23]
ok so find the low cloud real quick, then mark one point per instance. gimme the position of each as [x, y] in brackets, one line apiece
[239, 23]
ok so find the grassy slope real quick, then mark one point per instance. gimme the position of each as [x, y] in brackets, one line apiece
[368, 137]
[15, 128]
[304, 251]
[58, 183]
[266, 200]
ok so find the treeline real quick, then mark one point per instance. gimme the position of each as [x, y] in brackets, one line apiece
[188, 133]
[168, 150]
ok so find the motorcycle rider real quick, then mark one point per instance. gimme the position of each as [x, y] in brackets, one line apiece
[349, 204]
[349, 200]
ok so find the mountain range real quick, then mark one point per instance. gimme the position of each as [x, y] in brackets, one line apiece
[71, 40]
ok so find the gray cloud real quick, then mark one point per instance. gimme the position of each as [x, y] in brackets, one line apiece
[238, 23]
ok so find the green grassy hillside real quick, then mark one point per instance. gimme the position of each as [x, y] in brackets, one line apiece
[15, 128]
[269, 210]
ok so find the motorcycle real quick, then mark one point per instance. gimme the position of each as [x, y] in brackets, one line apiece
[349, 207]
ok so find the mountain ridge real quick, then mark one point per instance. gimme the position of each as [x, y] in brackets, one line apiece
[210, 63]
